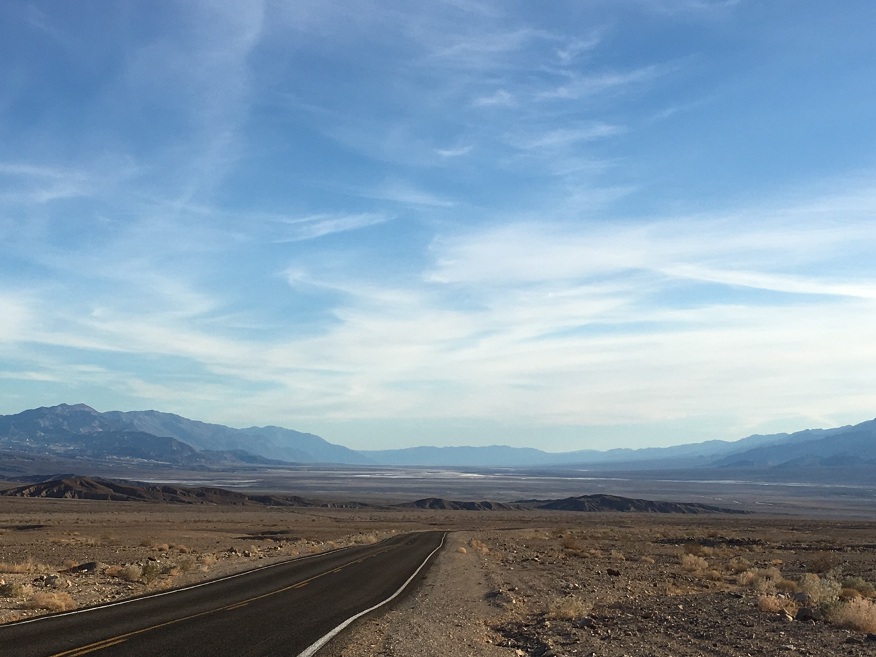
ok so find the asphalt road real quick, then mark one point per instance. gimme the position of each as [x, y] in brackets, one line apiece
[276, 611]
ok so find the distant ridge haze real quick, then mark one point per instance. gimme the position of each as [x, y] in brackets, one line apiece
[80, 432]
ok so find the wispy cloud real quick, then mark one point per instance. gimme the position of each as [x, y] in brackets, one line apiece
[320, 225]
[459, 151]
[583, 85]
[499, 98]
[404, 193]
[565, 137]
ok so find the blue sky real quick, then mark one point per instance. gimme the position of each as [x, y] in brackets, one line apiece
[565, 225]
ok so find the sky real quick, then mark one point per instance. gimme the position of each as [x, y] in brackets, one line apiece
[563, 225]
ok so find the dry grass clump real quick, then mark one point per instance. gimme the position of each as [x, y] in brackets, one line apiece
[699, 550]
[776, 604]
[207, 561]
[51, 601]
[647, 559]
[857, 614]
[366, 539]
[478, 546]
[570, 543]
[764, 579]
[738, 565]
[130, 573]
[569, 608]
[693, 563]
[25, 567]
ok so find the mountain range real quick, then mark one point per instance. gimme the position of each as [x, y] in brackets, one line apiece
[63, 436]
[93, 488]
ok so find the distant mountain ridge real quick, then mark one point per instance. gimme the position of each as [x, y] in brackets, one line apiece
[72, 433]
[80, 432]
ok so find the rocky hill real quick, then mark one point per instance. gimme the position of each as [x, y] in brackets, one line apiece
[603, 503]
[455, 505]
[90, 488]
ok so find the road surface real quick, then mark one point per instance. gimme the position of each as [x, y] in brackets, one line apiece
[277, 611]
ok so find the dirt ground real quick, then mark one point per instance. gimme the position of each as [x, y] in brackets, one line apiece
[519, 584]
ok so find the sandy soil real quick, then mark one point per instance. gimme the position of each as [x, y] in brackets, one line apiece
[506, 584]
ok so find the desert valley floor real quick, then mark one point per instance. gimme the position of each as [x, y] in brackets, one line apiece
[782, 580]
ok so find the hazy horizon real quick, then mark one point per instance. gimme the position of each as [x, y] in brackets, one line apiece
[565, 226]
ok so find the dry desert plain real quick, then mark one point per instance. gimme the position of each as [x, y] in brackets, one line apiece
[512, 583]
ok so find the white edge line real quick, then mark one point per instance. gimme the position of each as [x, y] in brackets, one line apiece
[172, 591]
[312, 649]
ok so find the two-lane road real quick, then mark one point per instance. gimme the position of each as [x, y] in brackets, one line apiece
[279, 610]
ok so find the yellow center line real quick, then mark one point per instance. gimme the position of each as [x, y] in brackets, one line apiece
[106, 643]
[92, 647]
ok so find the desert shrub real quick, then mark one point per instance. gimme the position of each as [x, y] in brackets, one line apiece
[699, 549]
[366, 539]
[51, 601]
[849, 594]
[764, 579]
[14, 590]
[693, 563]
[646, 559]
[858, 614]
[775, 604]
[823, 562]
[821, 590]
[860, 585]
[478, 546]
[785, 585]
[569, 608]
[130, 573]
[738, 565]
[712, 574]
[183, 565]
[570, 543]
[208, 560]
[150, 571]
[617, 555]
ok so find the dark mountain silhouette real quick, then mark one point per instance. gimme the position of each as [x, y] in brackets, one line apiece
[596, 503]
[454, 505]
[93, 488]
